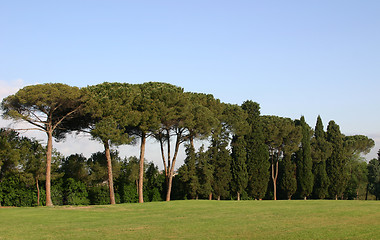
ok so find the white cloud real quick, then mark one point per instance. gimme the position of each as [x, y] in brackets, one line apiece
[10, 87]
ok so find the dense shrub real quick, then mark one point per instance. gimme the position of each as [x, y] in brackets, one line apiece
[75, 193]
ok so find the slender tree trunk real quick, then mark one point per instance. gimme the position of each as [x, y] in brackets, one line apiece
[238, 196]
[357, 194]
[210, 196]
[218, 197]
[38, 192]
[274, 178]
[171, 164]
[141, 173]
[49, 203]
[110, 177]
[192, 142]
[304, 198]
[163, 160]
[336, 197]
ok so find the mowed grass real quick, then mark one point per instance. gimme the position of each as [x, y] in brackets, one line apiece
[199, 219]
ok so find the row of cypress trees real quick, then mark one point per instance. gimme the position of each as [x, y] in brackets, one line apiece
[308, 163]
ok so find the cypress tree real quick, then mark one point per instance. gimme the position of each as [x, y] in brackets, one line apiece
[305, 178]
[239, 166]
[257, 152]
[321, 150]
[335, 164]
[188, 172]
[288, 180]
[205, 172]
[221, 160]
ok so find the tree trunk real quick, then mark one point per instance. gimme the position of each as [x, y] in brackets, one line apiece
[274, 178]
[141, 173]
[110, 177]
[38, 193]
[238, 196]
[304, 198]
[171, 164]
[210, 196]
[49, 203]
[169, 190]
[192, 142]
[357, 194]
[218, 197]
[336, 197]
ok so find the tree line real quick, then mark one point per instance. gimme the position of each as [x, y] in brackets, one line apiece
[248, 154]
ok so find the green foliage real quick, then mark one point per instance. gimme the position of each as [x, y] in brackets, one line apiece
[75, 192]
[99, 195]
[321, 151]
[97, 164]
[374, 176]
[288, 180]
[45, 106]
[220, 158]
[15, 192]
[188, 173]
[128, 193]
[205, 173]
[336, 163]
[154, 183]
[257, 152]
[239, 166]
[305, 177]
[75, 167]
[357, 179]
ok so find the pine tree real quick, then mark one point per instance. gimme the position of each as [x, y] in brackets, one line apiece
[305, 178]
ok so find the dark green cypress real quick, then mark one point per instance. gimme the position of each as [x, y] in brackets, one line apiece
[257, 152]
[188, 173]
[239, 166]
[305, 178]
[335, 164]
[288, 179]
[321, 150]
[205, 172]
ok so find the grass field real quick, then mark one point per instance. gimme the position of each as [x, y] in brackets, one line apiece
[197, 220]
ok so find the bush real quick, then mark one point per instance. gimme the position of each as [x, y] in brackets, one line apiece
[99, 195]
[75, 192]
[15, 192]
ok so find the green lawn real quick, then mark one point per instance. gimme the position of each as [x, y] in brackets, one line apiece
[197, 220]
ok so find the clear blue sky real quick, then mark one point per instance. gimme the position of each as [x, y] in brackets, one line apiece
[293, 57]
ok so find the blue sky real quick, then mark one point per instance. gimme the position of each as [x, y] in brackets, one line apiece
[293, 57]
